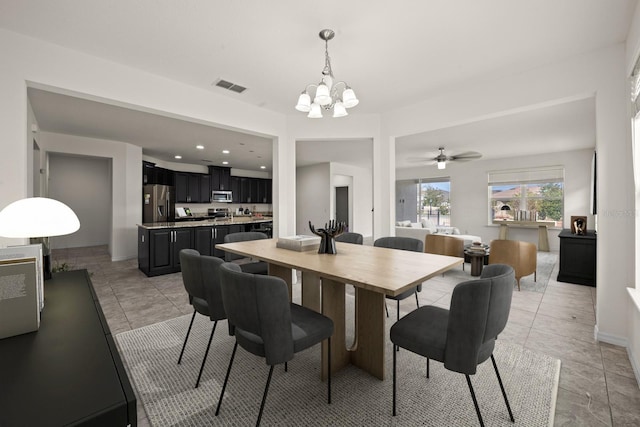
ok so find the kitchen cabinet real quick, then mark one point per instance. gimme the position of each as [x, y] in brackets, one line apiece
[188, 188]
[577, 258]
[151, 174]
[162, 247]
[206, 238]
[220, 178]
[205, 188]
[251, 190]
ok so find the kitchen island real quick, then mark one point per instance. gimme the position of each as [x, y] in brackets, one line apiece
[160, 243]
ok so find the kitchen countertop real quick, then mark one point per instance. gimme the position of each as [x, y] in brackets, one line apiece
[205, 222]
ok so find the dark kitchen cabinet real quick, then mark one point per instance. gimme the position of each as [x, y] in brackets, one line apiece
[188, 186]
[220, 178]
[577, 258]
[203, 238]
[151, 174]
[235, 189]
[264, 191]
[160, 249]
[218, 235]
[205, 188]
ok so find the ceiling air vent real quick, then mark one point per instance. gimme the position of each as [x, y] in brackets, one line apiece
[230, 86]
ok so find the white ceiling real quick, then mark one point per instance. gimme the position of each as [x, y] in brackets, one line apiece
[392, 55]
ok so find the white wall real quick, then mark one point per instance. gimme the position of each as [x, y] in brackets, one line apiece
[600, 73]
[469, 195]
[126, 184]
[633, 307]
[84, 184]
[313, 197]
[360, 196]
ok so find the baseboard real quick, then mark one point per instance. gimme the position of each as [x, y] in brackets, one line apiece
[609, 338]
[634, 365]
[122, 258]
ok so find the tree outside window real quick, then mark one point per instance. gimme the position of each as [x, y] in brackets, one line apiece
[545, 198]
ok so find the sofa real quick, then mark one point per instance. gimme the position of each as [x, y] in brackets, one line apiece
[419, 230]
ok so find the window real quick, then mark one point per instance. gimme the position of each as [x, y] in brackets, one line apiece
[424, 199]
[535, 194]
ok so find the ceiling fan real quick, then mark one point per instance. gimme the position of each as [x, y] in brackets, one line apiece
[442, 159]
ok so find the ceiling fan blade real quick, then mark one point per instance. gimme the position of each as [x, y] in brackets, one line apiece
[420, 159]
[465, 157]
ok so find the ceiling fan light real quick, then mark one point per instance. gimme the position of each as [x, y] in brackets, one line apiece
[442, 164]
[339, 110]
[315, 112]
[304, 103]
[322, 95]
[349, 98]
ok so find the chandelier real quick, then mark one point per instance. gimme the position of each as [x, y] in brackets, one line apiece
[328, 94]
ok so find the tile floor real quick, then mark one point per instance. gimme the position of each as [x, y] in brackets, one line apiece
[597, 383]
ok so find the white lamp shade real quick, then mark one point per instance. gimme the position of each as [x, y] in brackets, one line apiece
[339, 110]
[37, 217]
[316, 111]
[442, 165]
[349, 98]
[304, 103]
[322, 95]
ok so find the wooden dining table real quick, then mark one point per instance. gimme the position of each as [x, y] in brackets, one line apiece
[374, 272]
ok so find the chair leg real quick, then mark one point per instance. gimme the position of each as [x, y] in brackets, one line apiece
[226, 378]
[386, 309]
[417, 302]
[187, 337]
[329, 370]
[206, 353]
[504, 393]
[518, 280]
[264, 396]
[475, 402]
[286, 367]
[394, 379]
[398, 310]
[427, 367]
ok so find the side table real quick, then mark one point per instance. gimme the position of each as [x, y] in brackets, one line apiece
[477, 261]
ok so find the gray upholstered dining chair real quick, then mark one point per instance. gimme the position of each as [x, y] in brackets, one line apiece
[348, 237]
[256, 267]
[200, 276]
[266, 324]
[463, 336]
[405, 244]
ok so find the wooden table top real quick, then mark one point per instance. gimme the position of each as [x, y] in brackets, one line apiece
[388, 271]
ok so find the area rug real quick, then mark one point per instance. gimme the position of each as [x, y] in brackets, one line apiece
[298, 397]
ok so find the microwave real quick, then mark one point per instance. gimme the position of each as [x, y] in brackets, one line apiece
[221, 196]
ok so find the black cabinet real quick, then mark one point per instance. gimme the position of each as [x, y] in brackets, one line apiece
[151, 174]
[220, 178]
[69, 372]
[188, 188]
[159, 249]
[205, 188]
[219, 233]
[203, 238]
[264, 190]
[577, 258]
[235, 189]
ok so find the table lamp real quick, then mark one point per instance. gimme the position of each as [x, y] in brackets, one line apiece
[38, 218]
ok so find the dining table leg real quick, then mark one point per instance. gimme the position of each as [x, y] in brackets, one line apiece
[311, 291]
[333, 306]
[369, 346]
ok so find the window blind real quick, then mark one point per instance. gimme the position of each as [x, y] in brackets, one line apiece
[525, 176]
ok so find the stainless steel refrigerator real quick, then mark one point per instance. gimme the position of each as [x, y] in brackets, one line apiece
[158, 203]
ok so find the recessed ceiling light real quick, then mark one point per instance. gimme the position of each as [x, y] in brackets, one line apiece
[225, 163]
[225, 151]
[178, 157]
[200, 147]
[263, 167]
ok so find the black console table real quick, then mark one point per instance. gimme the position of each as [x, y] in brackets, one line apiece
[68, 372]
[577, 258]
